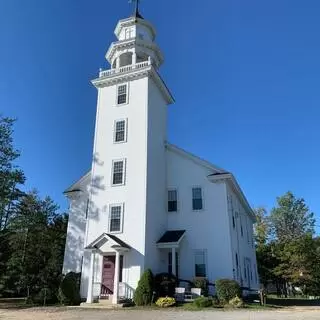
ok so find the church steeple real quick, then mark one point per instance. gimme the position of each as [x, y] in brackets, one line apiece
[135, 42]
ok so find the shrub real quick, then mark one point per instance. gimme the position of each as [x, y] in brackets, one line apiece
[201, 283]
[165, 284]
[236, 302]
[227, 290]
[165, 302]
[69, 293]
[203, 302]
[215, 302]
[143, 294]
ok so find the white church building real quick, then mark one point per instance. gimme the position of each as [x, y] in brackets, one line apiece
[147, 203]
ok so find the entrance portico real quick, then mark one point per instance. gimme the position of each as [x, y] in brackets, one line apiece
[111, 248]
[171, 240]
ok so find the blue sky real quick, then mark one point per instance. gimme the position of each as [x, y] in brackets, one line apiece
[245, 76]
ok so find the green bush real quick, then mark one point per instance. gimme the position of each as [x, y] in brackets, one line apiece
[215, 302]
[69, 293]
[143, 294]
[166, 302]
[227, 289]
[203, 302]
[201, 283]
[165, 284]
[236, 303]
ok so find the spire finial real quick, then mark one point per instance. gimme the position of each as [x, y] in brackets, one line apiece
[136, 12]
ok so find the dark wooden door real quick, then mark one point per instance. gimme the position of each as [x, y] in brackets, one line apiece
[108, 273]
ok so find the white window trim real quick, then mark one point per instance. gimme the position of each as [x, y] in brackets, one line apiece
[121, 217]
[172, 189]
[205, 261]
[127, 94]
[124, 172]
[202, 195]
[125, 130]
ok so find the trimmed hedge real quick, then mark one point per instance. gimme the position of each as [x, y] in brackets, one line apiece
[143, 294]
[227, 289]
[69, 291]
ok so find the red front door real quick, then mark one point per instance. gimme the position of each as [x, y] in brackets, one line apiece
[108, 273]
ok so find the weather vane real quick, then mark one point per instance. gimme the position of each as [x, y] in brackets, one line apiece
[136, 2]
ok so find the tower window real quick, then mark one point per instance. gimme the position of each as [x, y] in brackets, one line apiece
[118, 172]
[197, 198]
[115, 218]
[122, 94]
[120, 131]
[129, 33]
[172, 200]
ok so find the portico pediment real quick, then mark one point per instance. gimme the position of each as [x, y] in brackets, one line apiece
[108, 243]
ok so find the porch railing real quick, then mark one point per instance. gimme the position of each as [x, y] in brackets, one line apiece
[130, 67]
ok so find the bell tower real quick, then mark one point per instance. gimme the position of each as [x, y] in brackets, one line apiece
[128, 187]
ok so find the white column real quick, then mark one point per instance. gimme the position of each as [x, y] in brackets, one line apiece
[173, 253]
[90, 281]
[116, 279]
[134, 58]
[118, 63]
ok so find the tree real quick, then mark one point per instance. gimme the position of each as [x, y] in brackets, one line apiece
[36, 238]
[262, 226]
[143, 294]
[10, 175]
[291, 219]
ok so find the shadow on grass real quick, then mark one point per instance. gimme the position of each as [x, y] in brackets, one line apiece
[283, 302]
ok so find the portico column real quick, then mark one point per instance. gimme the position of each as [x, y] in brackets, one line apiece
[173, 253]
[116, 279]
[90, 282]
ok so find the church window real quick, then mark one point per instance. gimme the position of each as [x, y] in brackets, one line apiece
[115, 218]
[197, 198]
[118, 169]
[120, 131]
[122, 94]
[172, 200]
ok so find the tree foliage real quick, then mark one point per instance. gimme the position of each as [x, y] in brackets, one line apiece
[291, 219]
[32, 231]
[143, 294]
[287, 252]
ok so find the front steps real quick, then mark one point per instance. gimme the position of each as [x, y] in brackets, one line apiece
[102, 304]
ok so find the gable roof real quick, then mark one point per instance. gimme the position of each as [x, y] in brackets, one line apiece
[194, 158]
[76, 186]
[103, 238]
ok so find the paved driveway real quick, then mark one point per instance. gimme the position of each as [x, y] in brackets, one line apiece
[70, 314]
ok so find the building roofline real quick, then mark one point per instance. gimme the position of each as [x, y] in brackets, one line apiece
[76, 184]
[229, 177]
[194, 158]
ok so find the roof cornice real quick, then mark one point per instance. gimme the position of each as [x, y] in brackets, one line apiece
[132, 21]
[229, 178]
[132, 74]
